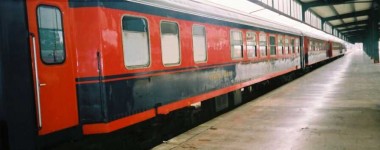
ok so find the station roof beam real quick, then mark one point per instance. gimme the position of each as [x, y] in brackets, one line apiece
[348, 15]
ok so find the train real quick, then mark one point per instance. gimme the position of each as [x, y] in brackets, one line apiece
[74, 68]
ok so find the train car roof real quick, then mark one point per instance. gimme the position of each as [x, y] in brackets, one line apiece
[201, 8]
[263, 19]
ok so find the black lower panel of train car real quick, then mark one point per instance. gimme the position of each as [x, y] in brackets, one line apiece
[126, 97]
[17, 113]
[108, 101]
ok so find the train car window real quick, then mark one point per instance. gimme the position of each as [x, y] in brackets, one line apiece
[286, 51]
[288, 45]
[310, 45]
[293, 46]
[135, 42]
[272, 43]
[170, 43]
[279, 43]
[251, 44]
[199, 43]
[236, 44]
[263, 44]
[52, 49]
[316, 46]
[297, 45]
[336, 46]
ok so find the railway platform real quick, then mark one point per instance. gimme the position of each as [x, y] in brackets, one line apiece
[334, 107]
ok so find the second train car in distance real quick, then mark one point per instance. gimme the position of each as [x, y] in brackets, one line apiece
[101, 66]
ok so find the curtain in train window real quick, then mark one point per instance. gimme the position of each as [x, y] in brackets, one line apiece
[251, 44]
[293, 46]
[52, 49]
[286, 51]
[272, 43]
[170, 43]
[322, 46]
[236, 44]
[279, 38]
[310, 45]
[263, 44]
[135, 42]
[297, 45]
[316, 46]
[199, 43]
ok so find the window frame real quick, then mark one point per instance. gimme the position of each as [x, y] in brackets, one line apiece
[266, 44]
[149, 43]
[255, 41]
[290, 46]
[39, 37]
[192, 41]
[275, 45]
[179, 44]
[286, 45]
[280, 47]
[297, 45]
[293, 45]
[310, 45]
[242, 44]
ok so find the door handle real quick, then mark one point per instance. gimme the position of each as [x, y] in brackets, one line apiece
[43, 84]
[37, 81]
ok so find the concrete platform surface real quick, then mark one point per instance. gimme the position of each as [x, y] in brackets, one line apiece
[335, 107]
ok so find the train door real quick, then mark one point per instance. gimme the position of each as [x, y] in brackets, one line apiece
[52, 66]
[301, 51]
[306, 44]
[329, 49]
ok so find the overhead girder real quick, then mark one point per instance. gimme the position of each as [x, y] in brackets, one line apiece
[355, 36]
[331, 3]
[357, 33]
[352, 23]
[319, 3]
[356, 39]
[348, 15]
[354, 28]
[354, 9]
[336, 12]
[323, 3]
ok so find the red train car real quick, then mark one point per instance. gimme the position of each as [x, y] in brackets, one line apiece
[100, 66]
[317, 50]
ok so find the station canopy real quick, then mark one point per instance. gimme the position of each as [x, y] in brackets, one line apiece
[256, 10]
[349, 17]
[346, 19]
